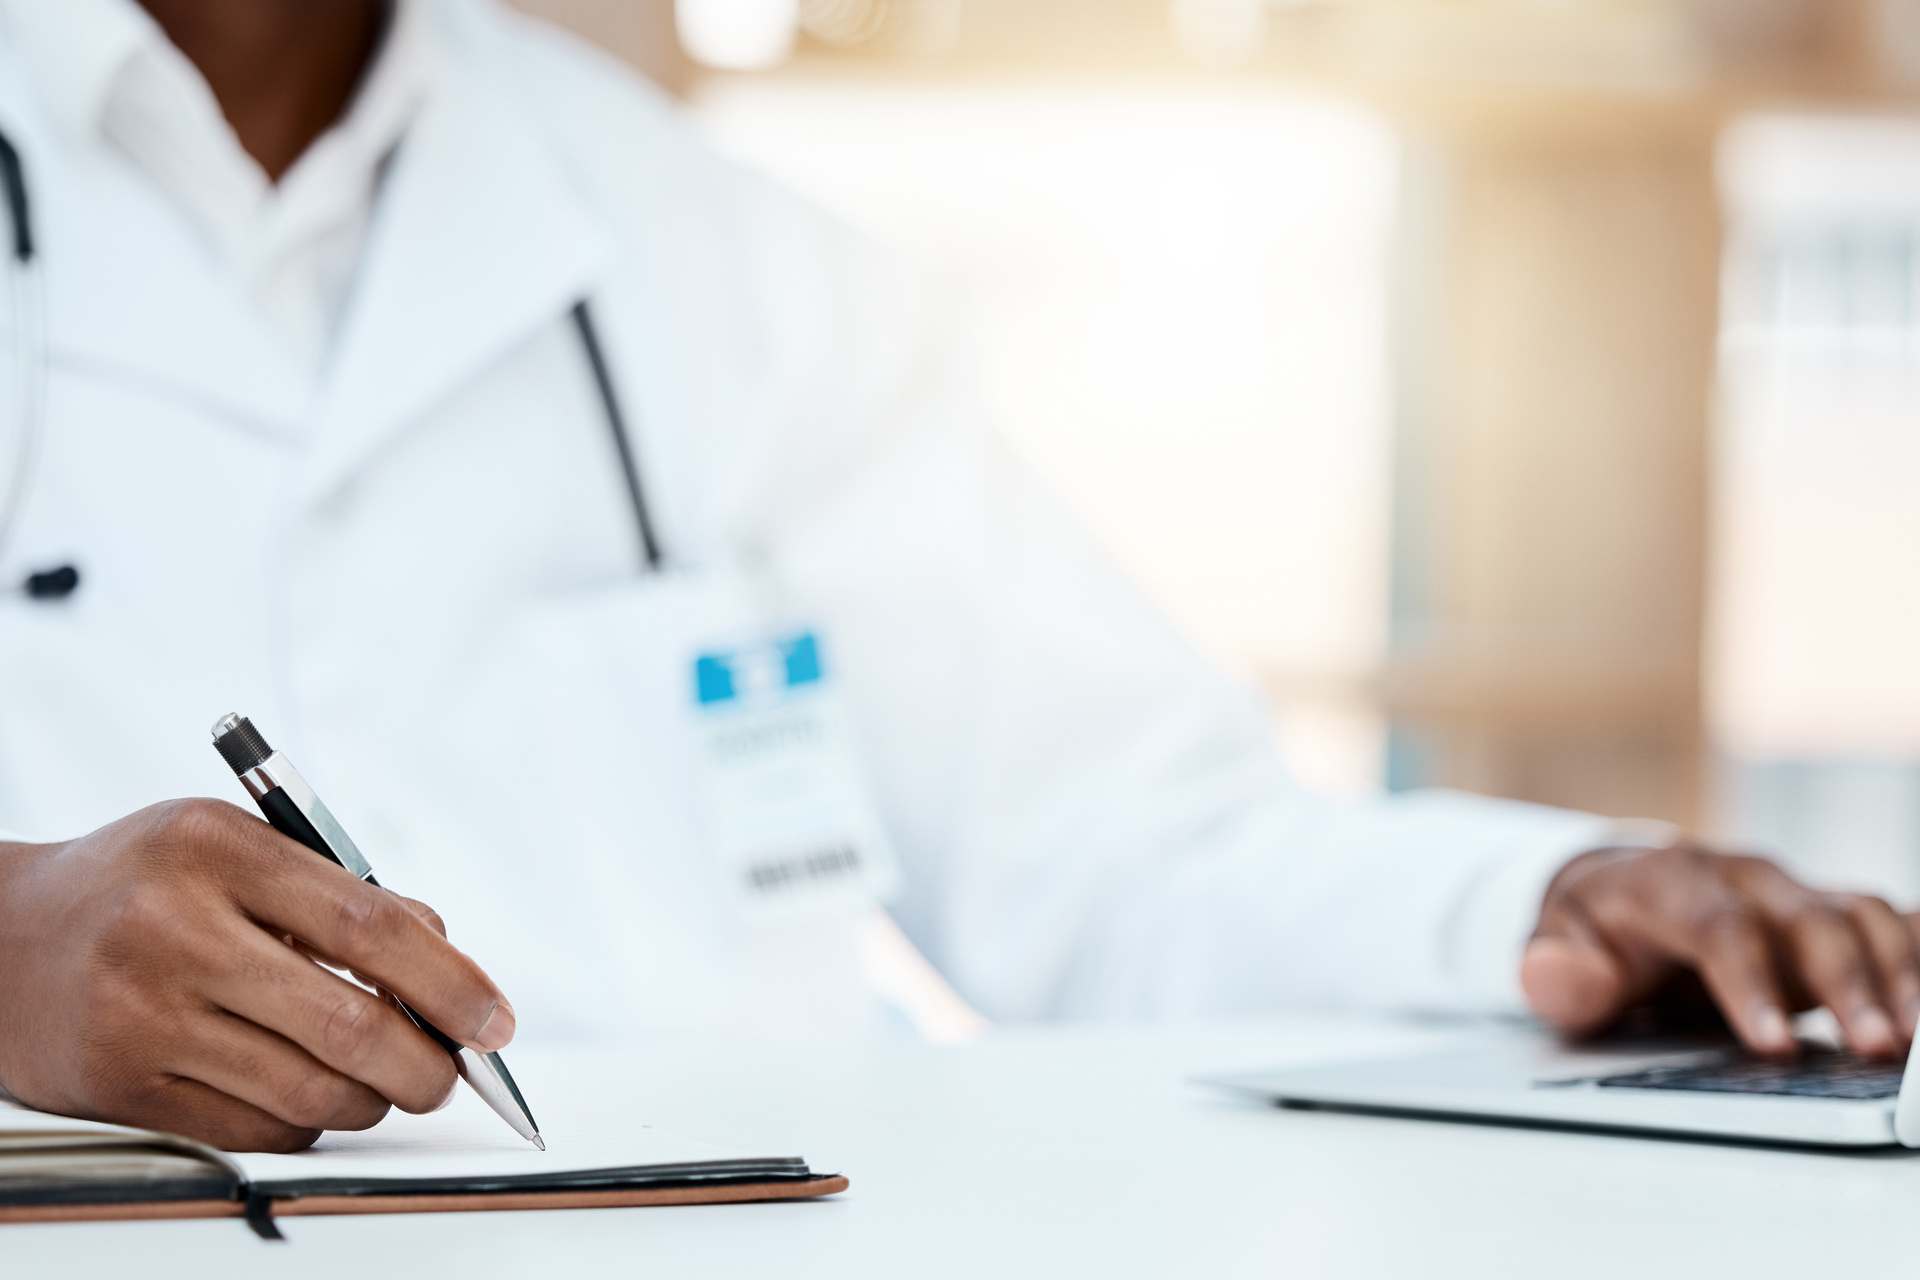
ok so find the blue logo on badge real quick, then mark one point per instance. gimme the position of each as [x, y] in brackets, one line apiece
[757, 673]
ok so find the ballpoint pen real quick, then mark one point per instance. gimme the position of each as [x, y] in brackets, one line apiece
[293, 810]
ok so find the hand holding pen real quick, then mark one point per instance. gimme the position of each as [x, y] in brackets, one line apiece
[150, 983]
[293, 810]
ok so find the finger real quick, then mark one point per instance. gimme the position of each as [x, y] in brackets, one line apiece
[1832, 960]
[425, 912]
[1731, 950]
[1572, 980]
[373, 932]
[267, 1071]
[1891, 946]
[344, 1026]
[195, 1110]
[317, 957]
[338, 966]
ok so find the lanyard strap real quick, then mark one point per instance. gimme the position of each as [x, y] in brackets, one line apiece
[617, 424]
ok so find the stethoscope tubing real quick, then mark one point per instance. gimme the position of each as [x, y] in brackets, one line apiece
[28, 319]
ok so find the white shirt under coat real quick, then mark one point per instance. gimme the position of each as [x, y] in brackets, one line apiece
[329, 454]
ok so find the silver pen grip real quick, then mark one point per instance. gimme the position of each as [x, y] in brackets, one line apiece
[488, 1077]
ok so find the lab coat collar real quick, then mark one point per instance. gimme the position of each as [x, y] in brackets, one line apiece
[130, 294]
[481, 239]
[19, 119]
[478, 240]
[75, 50]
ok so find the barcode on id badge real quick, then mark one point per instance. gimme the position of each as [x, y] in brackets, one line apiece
[829, 862]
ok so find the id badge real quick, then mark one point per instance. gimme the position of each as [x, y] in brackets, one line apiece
[786, 802]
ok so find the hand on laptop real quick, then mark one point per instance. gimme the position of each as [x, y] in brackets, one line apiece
[156, 973]
[1618, 924]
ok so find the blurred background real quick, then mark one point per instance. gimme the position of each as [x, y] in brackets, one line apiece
[1523, 394]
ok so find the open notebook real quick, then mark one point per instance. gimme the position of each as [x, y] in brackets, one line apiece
[463, 1157]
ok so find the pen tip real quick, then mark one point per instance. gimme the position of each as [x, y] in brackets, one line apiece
[539, 1142]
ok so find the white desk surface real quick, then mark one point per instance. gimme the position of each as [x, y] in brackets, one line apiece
[1084, 1152]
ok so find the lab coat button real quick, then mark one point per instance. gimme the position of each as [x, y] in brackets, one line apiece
[53, 584]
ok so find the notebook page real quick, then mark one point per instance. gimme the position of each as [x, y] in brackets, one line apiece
[24, 1129]
[585, 1129]
[21, 1122]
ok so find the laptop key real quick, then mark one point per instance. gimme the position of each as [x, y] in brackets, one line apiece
[1818, 1073]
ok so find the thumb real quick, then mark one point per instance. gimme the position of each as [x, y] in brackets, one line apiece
[1571, 979]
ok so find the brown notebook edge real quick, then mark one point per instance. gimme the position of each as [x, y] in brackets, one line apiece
[293, 1207]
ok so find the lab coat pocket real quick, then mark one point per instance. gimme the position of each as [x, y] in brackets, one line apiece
[601, 696]
[585, 691]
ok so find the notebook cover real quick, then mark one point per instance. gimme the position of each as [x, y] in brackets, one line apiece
[700, 1193]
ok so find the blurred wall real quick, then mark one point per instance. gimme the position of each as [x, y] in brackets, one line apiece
[1814, 695]
[641, 32]
[1559, 303]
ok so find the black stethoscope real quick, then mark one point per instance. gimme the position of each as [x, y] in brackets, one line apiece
[29, 409]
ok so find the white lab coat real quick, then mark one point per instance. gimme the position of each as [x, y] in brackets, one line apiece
[418, 573]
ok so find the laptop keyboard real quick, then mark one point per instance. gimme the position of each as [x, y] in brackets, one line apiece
[1814, 1074]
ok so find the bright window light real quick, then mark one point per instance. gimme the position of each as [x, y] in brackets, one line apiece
[1181, 293]
[1814, 688]
[737, 35]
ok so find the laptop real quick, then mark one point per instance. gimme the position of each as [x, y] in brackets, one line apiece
[1703, 1087]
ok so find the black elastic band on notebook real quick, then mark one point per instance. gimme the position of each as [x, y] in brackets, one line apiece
[617, 423]
[260, 1216]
